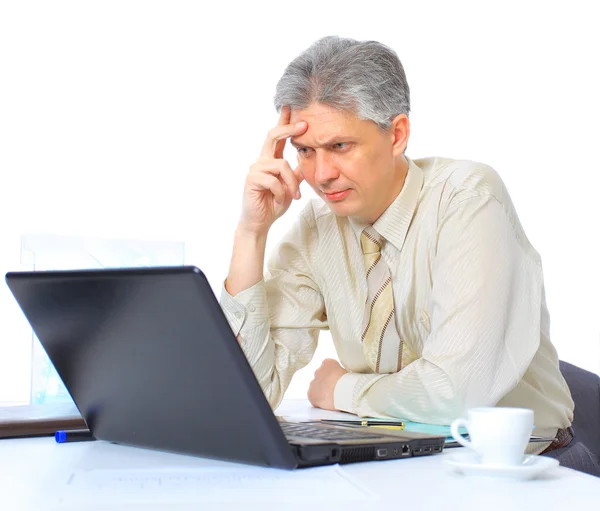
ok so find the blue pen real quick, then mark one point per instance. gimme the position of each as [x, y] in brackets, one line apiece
[73, 435]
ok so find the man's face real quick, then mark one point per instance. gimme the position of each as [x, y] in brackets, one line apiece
[349, 162]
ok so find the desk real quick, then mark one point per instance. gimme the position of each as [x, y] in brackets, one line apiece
[29, 466]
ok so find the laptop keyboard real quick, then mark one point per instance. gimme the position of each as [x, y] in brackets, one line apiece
[291, 429]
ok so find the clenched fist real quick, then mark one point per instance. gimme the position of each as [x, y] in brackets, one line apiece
[321, 389]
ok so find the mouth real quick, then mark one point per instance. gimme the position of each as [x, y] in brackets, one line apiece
[337, 196]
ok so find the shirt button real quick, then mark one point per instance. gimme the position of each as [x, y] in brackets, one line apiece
[238, 315]
[251, 308]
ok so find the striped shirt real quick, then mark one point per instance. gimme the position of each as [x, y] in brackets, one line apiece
[469, 297]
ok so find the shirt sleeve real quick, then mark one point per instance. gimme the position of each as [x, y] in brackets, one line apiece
[278, 319]
[485, 322]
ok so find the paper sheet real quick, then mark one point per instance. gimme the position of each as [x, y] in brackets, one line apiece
[210, 485]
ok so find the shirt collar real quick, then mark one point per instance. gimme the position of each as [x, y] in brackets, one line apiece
[393, 224]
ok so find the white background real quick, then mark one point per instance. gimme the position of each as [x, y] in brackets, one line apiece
[140, 119]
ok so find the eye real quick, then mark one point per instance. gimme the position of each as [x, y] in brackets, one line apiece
[340, 145]
[303, 151]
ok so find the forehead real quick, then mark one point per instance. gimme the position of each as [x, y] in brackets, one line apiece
[325, 123]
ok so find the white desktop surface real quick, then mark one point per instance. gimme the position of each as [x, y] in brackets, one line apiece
[30, 467]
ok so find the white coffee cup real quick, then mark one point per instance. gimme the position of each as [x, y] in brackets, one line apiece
[498, 435]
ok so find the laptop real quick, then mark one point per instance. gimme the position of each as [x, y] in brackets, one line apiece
[151, 361]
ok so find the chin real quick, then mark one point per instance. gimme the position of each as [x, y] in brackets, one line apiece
[342, 209]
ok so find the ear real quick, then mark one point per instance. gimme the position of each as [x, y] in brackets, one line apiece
[400, 131]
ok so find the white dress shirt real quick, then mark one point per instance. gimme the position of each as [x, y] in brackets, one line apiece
[469, 297]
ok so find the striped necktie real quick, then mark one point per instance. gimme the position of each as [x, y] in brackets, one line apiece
[381, 342]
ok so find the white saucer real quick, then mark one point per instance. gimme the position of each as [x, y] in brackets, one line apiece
[468, 463]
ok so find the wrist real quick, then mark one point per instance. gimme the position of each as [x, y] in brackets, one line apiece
[247, 262]
[251, 234]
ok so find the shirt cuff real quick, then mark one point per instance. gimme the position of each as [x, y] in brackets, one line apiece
[349, 393]
[247, 309]
[343, 393]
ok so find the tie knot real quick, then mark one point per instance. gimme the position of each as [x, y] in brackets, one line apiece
[371, 241]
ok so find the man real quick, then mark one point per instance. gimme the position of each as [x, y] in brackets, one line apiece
[420, 269]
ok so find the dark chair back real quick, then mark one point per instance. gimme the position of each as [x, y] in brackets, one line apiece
[585, 390]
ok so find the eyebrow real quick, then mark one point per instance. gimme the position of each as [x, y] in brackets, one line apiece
[333, 141]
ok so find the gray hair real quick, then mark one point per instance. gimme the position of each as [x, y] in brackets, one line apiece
[365, 78]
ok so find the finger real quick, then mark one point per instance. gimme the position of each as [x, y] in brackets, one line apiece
[282, 168]
[291, 180]
[269, 182]
[284, 116]
[280, 144]
[298, 175]
[311, 395]
[284, 119]
[276, 138]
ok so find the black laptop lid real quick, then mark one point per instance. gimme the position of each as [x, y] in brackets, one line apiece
[151, 361]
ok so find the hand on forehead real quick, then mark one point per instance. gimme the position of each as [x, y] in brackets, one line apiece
[323, 123]
[318, 114]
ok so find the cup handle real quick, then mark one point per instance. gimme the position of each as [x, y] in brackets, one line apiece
[454, 429]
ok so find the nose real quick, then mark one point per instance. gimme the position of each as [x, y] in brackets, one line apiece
[325, 170]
